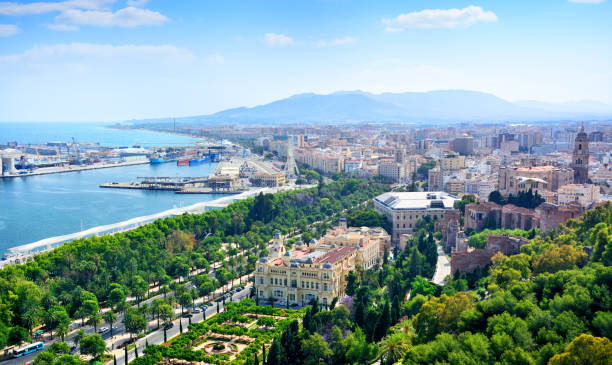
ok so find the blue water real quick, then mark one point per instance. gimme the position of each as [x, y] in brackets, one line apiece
[37, 207]
[32, 132]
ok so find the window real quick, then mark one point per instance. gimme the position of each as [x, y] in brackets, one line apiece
[294, 283]
[262, 281]
[302, 285]
[317, 286]
[285, 282]
[404, 226]
[261, 293]
[308, 285]
[325, 286]
[398, 225]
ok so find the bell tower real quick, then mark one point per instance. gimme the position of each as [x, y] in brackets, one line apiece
[580, 158]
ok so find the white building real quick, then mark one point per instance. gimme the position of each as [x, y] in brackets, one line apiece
[405, 208]
[584, 194]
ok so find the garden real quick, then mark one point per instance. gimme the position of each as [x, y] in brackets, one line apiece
[231, 337]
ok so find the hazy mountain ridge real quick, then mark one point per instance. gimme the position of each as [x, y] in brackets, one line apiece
[442, 106]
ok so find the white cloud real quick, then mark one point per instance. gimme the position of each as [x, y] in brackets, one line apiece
[79, 52]
[586, 1]
[273, 40]
[127, 17]
[63, 27]
[336, 42]
[8, 30]
[440, 18]
[137, 2]
[13, 8]
[215, 59]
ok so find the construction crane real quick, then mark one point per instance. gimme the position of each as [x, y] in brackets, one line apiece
[75, 147]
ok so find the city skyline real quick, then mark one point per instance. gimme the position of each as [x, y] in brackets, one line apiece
[104, 60]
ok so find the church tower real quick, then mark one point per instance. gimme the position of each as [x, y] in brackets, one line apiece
[580, 158]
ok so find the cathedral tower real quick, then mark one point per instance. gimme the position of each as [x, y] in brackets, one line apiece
[580, 158]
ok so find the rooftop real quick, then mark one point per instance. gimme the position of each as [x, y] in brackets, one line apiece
[335, 255]
[417, 200]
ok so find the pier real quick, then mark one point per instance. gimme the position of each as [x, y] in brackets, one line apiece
[183, 185]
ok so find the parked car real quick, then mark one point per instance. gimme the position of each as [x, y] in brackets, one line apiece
[294, 305]
[187, 315]
[103, 329]
[195, 311]
[238, 289]
[168, 325]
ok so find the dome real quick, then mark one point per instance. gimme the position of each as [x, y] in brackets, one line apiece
[313, 241]
[288, 254]
[327, 265]
[264, 260]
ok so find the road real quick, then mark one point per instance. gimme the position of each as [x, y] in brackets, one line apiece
[443, 267]
[157, 337]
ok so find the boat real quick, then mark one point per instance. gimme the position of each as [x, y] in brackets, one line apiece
[182, 162]
[155, 159]
[198, 161]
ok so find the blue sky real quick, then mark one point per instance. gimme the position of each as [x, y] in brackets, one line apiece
[105, 60]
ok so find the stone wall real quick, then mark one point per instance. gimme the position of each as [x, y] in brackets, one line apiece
[467, 260]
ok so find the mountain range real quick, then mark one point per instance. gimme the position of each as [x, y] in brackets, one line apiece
[434, 106]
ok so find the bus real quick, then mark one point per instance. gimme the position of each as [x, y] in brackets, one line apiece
[29, 349]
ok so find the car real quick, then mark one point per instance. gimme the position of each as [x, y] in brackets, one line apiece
[232, 291]
[103, 329]
[294, 305]
[239, 289]
[204, 308]
[220, 299]
[168, 325]
[187, 315]
[195, 311]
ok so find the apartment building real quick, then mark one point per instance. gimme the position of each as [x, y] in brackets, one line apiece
[515, 179]
[268, 180]
[583, 194]
[452, 162]
[370, 242]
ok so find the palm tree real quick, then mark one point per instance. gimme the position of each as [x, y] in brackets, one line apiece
[78, 337]
[95, 320]
[110, 317]
[394, 347]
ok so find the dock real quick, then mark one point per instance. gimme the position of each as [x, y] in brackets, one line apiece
[182, 185]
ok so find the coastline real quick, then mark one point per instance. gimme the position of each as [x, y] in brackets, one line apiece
[20, 253]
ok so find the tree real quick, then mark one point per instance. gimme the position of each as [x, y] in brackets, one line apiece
[134, 322]
[93, 345]
[116, 297]
[76, 339]
[274, 354]
[315, 350]
[384, 321]
[18, 335]
[394, 347]
[185, 301]
[139, 288]
[351, 283]
[166, 313]
[110, 317]
[585, 350]
[496, 197]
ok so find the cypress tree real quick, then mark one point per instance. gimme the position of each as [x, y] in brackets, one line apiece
[384, 321]
[114, 359]
[136, 350]
[125, 355]
[180, 326]
[397, 308]
[217, 307]
[263, 353]
[274, 354]
[165, 335]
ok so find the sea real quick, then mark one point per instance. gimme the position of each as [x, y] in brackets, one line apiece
[37, 207]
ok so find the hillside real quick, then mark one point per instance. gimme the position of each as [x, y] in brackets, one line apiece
[435, 106]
